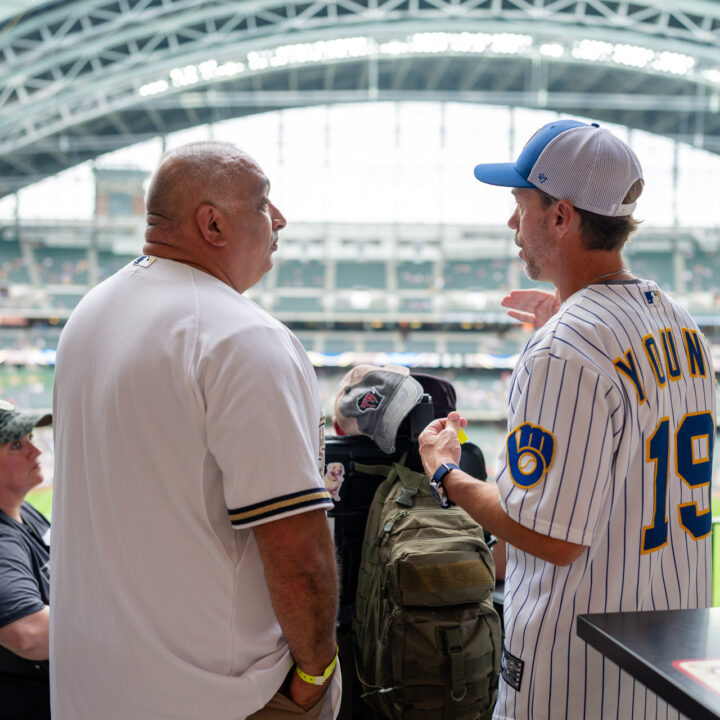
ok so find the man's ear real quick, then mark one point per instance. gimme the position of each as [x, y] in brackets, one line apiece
[565, 217]
[210, 224]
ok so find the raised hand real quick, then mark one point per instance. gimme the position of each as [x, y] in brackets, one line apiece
[439, 442]
[531, 306]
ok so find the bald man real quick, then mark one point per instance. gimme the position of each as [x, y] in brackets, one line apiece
[193, 567]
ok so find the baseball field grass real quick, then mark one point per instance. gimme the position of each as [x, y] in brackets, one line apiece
[41, 499]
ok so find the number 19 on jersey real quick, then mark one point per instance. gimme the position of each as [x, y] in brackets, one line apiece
[692, 447]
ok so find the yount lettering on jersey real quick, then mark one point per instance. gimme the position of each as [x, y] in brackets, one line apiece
[665, 362]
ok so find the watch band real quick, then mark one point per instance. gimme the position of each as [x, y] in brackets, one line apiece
[437, 486]
[319, 679]
[443, 470]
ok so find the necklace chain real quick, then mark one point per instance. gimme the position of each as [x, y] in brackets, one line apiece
[607, 275]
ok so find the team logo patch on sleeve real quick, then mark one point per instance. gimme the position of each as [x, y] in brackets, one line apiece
[530, 452]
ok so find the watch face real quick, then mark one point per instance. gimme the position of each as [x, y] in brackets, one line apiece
[438, 492]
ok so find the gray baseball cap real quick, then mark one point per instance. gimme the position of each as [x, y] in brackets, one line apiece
[374, 400]
[15, 425]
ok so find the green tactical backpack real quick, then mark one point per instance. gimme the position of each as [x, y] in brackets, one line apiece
[427, 637]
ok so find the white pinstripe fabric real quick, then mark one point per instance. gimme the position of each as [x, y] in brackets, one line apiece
[600, 492]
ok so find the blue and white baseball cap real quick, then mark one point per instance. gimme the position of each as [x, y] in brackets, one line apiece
[571, 160]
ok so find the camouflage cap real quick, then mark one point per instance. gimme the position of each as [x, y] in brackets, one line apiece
[15, 425]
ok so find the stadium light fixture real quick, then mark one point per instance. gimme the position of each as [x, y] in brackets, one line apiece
[301, 53]
[182, 77]
[674, 63]
[592, 50]
[394, 47]
[208, 69]
[258, 60]
[510, 43]
[229, 69]
[632, 55]
[470, 42]
[553, 50]
[435, 42]
[154, 88]
[712, 74]
[429, 43]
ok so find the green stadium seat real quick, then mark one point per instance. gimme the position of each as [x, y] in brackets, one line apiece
[657, 266]
[479, 274]
[109, 262]
[62, 266]
[13, 268]
[301, 274]
[412, 275]
[298, 304]
[420, 345]
[360, 275]
[415, 304]
[462, 346]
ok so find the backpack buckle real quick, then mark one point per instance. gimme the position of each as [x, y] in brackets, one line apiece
[406, 497]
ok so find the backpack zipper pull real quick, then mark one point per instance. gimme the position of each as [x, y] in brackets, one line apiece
[389, 524]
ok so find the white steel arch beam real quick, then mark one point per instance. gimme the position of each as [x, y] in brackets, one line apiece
[75, 73]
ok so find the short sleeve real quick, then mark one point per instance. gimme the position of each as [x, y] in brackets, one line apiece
[557, 459]
[265, 426]
[19, 590]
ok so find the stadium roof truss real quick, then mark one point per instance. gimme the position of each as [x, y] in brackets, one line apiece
[79, 78]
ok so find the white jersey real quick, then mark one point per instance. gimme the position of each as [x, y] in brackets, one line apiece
[184, 415]
[611, 429]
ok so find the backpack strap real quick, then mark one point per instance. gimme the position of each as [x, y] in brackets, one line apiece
[386, 471]
[372, 469]
[453, 645]
[410, 480]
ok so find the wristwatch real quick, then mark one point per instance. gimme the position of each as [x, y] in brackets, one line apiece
[437, 487]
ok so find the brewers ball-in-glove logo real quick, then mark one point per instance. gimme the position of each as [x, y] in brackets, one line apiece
[530, 451]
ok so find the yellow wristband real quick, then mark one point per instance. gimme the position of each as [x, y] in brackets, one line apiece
[319, 679]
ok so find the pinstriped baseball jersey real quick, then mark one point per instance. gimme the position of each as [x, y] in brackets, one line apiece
[610, 440]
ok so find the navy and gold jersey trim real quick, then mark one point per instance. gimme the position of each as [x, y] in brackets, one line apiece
[276, 506]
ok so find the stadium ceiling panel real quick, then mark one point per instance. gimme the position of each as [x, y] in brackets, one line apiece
[79, 78]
